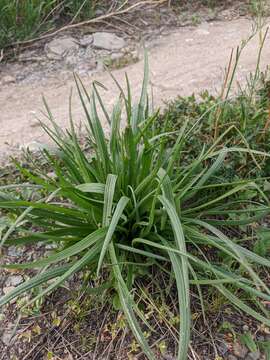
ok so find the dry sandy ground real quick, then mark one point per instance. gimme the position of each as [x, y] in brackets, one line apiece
[185, 61]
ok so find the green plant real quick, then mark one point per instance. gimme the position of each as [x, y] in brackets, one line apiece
[242, 122]
[131, 201]
[24, 20]
[20, 20]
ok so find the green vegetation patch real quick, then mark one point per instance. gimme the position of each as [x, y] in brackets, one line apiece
[148, 197]
[24, 20]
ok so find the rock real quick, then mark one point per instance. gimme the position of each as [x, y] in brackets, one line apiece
[107, 41]
[8, 289]
[36, 147]
[240, 350]
[14, 280]
[245, 327]
[14, 251]
[86, 40]
[117, 56]
[232, 357]
[99, 12]
[30, 55]
[7, 80]
[61, 47]
[169, 357]
[7, 336]
[254, 356]
[223, 348]
[51, 175]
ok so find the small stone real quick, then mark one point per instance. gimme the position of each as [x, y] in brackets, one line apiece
[169, 357]
[99, 12]
[33, 146]
[30, 55]
[52, 175]
[7, 80]
[61, 47]
[116, 56]
[245, 327]
[86, 40]
[14, 280]
[254, 356]
[107, 41]
[14, 251]
[8, 289]
[232, 357]
[6, 337]
[240, 350]
[223, 348]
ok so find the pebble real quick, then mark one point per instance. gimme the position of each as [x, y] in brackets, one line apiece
[107, 41]
[7, 289]
[116, 56]
[14, 251]
[232, 357]
[254, 356]
[52, 175]
[86, 40]
[14, 280]
[240, 350]
[6, 337]
[61, 47]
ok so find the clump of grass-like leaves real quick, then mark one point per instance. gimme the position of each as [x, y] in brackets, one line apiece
[133, 200]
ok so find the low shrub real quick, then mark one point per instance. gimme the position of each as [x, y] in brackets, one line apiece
[242, 121]
[135, 200]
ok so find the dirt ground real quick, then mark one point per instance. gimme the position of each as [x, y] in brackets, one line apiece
[186, 60]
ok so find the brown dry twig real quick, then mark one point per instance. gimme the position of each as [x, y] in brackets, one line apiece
[119, 11]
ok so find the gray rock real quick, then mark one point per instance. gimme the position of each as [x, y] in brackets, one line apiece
[254, 356]
[232, 357]
[86, 40]
[108, 41]
[37, 147]
[51, 175]
[99, 12]
[14, 251]
[6, 337]
[117, 56]
[7, 289]
[61, 47]
[14, 280]
[30, 55]
[240, 350]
